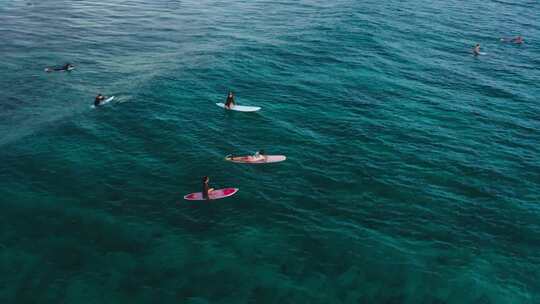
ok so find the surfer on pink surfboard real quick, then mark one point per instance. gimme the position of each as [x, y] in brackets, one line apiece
[230, 100]
[206, 188]
[208, 193]
[259, 156]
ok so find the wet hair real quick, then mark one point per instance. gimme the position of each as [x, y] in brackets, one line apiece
[261, 152]
[205, 179]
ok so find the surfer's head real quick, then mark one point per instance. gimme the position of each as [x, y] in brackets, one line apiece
[205, 179]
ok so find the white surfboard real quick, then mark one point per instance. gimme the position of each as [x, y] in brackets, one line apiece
[109, 99]
[239, 108]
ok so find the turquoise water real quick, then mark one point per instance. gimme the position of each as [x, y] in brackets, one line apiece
[413, 171]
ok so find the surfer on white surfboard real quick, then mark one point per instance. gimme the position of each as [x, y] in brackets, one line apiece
[205, 188]
[230, 104]
[230, 100]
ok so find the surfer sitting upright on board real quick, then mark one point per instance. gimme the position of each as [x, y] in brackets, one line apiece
[206, 189]
[99, 99]
[230, 101]
[476, 50]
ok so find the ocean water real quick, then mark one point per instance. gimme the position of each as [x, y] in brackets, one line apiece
[413, 170]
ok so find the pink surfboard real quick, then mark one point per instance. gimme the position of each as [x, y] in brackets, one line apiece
[213, 195]
[250, 160]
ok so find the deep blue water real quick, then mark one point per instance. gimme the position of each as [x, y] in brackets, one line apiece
[413, 170]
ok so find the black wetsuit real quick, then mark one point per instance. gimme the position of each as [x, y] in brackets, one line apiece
[205, 190]
[98, 100]
[64, 68]
[230, 101]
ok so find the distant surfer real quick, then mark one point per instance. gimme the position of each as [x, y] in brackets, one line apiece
[476, 49]
[99, 99]
[516, 40]
[65, 68]
[259, 156]
[230, 101]
[206, 189]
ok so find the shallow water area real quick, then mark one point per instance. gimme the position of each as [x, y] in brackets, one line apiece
[412, 171]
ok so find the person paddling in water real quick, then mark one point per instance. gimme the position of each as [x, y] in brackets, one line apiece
[230, 101]
[476, 50]
[258, 157]
[206, 189]
[65, 68]
[99, 98]
[516, 40]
